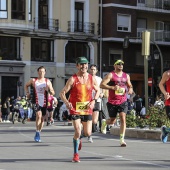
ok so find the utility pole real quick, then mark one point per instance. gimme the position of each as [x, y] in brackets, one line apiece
[146, 53]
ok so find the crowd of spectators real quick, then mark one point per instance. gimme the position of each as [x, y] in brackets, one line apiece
[25, 108]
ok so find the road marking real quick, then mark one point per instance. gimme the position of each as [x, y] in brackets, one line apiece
[118, 157]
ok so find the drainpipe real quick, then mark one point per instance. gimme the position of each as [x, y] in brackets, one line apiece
[101, 6]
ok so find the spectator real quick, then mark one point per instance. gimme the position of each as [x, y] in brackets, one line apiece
[6, 108]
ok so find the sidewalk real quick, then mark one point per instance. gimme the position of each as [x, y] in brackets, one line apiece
[144, 133]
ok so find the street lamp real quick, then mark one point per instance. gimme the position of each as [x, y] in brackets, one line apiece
[126, 45]
[145, 52]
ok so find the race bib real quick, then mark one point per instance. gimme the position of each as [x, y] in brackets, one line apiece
[120, 91]
[82, 108]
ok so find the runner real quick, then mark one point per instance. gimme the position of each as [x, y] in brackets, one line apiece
[80, 102]
[52, 101]
[97, 107]
[119, 85]
[165, 81]
[42, 86]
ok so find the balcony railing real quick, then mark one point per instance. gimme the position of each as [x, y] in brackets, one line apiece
[85, 27]
[156, 35]
[158, 4]
[11, 57]
[46, 23]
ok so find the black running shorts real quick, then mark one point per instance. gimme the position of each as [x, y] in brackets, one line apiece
[115, 109]
[84, 118]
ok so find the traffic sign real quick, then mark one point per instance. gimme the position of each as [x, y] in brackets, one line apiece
[150, 82]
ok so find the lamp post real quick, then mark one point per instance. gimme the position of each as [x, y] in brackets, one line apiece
[146, 53]
[145, 48]
[154, 57]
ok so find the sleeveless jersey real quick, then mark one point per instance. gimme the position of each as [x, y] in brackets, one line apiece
[167, 102]
[80, 96]
[50, 102]
[119, 96]
[40, 93]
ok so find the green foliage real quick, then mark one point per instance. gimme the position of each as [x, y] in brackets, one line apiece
[157, 117]
[131, 119]
[154, 118]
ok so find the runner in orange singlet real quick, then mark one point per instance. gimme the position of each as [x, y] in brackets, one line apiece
[80, 102]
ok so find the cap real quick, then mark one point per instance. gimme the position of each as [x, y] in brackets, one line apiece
[118, 61]
[81, 60]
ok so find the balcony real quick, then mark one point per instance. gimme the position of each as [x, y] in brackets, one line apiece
[81, 27]
[37, 23]
[46, 23]
[156, 35]
[157, 4]
[15, 24]
[10, 57]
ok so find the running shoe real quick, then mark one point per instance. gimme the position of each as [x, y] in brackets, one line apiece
[48, 123]
[164, 135]
[90, 140]
[37, 137]
[52, 121]
[80, 145]
[123, 144]
[104, 125]
[76, 158]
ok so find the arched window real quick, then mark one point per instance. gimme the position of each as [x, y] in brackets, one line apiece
[76, 49]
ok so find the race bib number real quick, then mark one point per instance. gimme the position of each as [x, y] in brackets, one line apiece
[120, 91]
[82, 108]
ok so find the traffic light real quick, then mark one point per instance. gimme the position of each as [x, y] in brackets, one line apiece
[126, 42]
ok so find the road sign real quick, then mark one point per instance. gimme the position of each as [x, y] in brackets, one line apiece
[150, 82]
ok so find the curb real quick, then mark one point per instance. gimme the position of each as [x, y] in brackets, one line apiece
[138, 133]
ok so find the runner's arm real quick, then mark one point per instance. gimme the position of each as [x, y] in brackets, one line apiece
[105, 81]
[50, 87]
[165, 77]
[129, 84]
[27, 85]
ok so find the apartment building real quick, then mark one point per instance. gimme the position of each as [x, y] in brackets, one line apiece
[51, 33]
[129, 18]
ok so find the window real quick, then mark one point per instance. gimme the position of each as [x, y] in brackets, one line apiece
[139, 59]
[9, 48]
[76, 49]
[3, 9]
[18, 9]
[42, 50]
[124, 23]
[141, 1]
[114, 55]
[78, 26]
[30, 10]
[141, 26]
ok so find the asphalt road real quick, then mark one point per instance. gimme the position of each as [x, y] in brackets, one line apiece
[18, 151]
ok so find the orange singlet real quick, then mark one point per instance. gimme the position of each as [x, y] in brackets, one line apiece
[80, 96]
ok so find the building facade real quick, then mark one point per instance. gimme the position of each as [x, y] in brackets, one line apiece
[51, 33]
[130, 18]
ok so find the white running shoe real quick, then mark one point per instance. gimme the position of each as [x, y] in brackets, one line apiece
[90, 140]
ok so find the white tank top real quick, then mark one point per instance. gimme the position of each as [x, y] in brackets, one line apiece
[40, 92]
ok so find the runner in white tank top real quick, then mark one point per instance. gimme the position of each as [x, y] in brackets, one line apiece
[41, 87]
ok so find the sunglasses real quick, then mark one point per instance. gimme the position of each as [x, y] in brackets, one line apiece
[119, 64]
